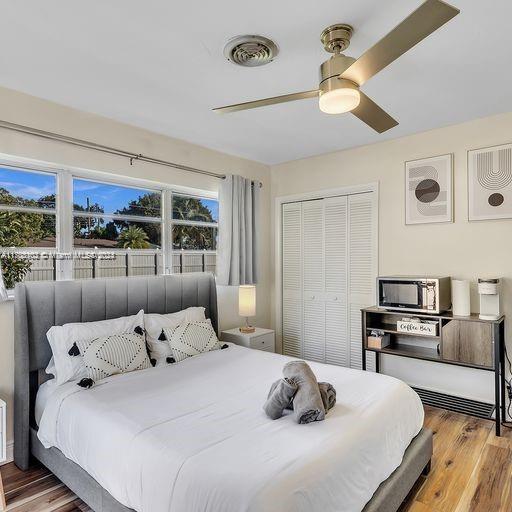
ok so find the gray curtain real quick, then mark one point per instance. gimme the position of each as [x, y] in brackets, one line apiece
[239, 204]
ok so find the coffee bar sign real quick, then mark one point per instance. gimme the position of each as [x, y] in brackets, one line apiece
[423, 328]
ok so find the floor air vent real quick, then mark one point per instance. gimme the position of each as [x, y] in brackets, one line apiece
[455, 403]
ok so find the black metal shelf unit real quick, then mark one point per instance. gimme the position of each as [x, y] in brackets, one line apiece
[461, 341]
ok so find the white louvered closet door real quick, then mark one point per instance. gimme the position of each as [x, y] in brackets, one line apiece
[292, 279]
[362, 270]
[329, 265]
[337, 350]
[313, 280]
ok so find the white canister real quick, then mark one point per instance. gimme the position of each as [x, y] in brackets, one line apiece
[461, 301]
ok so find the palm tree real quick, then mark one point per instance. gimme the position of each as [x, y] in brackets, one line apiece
[133, 237]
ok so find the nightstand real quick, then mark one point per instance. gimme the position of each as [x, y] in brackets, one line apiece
[3, 449]
[260, 339]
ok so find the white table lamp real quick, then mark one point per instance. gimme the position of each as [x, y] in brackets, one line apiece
[247, 305]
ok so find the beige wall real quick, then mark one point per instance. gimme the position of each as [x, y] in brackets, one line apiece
[462, 249]
[22, 109]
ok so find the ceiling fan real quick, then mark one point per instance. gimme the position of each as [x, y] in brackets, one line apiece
[342, 76]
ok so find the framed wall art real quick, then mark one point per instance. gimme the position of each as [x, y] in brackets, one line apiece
[428, 190]
[490, 183]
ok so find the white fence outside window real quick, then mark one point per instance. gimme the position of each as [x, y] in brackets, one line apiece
[127, 263]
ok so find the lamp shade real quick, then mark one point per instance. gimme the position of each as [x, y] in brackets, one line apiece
[247, 300]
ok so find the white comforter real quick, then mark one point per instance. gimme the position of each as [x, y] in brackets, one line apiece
[193, 436]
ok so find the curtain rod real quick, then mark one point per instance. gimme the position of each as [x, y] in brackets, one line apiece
[104, 149]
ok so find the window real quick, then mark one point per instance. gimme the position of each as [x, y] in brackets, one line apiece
[195, 222]
[27, 223]
[27, 208]
[111, 216]
[111, 228]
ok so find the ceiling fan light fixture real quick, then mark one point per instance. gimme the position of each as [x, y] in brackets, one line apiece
[338, 101]
[341, 76]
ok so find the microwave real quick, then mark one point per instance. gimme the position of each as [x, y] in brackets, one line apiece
[414, 294]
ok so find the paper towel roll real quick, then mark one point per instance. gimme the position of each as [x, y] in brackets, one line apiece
[461, 303]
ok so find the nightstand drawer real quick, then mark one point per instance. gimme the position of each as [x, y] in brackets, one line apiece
[263, 342]
[260, 339]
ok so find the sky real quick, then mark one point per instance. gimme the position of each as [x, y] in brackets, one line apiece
[110, 197]
[31, 185]
[27, 185]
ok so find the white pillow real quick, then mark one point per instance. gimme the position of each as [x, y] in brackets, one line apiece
[154, 323]
[62, 337]
[191, 339]
[111, 355]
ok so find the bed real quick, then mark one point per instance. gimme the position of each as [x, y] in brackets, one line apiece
[192, 436]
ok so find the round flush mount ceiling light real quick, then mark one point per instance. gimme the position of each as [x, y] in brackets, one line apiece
[339, 101]
[250, 50]
[338, 96]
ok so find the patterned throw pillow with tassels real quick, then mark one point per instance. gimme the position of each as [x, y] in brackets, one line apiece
[191, 338]
[111, 355]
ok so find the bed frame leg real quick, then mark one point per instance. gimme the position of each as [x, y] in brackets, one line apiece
[426, 469]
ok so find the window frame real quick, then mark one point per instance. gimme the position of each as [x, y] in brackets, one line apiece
[65, 214]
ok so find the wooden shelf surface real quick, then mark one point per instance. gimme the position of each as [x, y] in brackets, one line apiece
[400, 349]
[447, 315]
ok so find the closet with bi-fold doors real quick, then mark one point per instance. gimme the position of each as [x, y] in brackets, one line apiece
[329, 267]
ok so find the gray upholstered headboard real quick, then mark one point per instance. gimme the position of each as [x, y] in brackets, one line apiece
[40, 305]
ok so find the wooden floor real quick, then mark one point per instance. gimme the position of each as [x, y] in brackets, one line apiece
[471, 472]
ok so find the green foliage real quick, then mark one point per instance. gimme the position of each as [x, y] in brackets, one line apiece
[14, 269]
[47, 201]
[82, 225]
[133, 237]
[190, 208]
[19, 229]
[147, 205]
[192, 237]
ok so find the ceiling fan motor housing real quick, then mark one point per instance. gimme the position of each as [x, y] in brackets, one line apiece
[335, 66]
[330, 71]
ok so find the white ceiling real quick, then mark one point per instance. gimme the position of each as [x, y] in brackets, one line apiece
[158, 64]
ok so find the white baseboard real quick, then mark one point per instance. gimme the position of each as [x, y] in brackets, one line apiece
[10, 453]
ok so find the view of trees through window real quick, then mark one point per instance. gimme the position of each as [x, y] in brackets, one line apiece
[195, 223]
[106, 216]
[114, 229]
[24, 197]
[27, 195]
[24, 229]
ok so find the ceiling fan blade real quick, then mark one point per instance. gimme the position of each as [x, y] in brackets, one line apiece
[268, 101]
[426, 19]
[371, 114]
